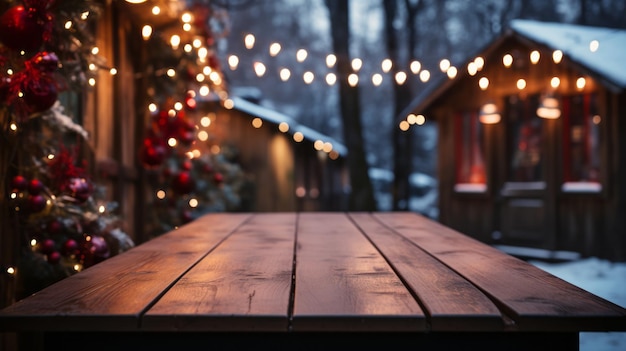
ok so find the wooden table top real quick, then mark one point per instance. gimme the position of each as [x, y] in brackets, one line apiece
[386, 271]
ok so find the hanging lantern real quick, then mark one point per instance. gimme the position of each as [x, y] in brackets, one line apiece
[489, 114]
[549, 108]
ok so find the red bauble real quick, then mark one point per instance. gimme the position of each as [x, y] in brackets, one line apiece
[35, 187]
[218, 178]
[40, 92]
[183, 183]
[24, 29]
[94, 250]
[153, 155]
[80, 189]
[54, 227]
[19, 183]
[70, 247]
[186, 165]
[36, 203]
[47, 246]
[54, 257]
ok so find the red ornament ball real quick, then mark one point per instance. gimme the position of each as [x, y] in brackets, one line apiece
[40, 92]
[218, 178]
[19, 183]
[70, 247]
[23, 29]
[35, 187]
[47, 246]
[36, 203]
[55, 227]
[54, 257]
[183, 183]
[94, 250]
[80, 189]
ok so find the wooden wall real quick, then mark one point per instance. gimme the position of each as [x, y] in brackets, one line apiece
[589, 223]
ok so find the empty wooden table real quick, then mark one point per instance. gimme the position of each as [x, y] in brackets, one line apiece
[312, 281]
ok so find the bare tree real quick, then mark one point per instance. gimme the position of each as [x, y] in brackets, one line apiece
[361, 195]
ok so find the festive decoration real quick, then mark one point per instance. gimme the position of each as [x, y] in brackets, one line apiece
[55, 209]
[26, 27]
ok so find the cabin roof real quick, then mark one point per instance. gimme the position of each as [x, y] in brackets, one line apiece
[605, 64]
[275, 117]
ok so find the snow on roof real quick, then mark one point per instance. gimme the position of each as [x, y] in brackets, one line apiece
[275, 117]
[609, 60]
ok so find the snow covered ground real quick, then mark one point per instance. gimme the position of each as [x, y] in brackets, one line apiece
[600, 277]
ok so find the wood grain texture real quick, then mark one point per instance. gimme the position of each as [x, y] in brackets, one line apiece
[452, 303]
[535, 299]
[244, 284]
[112, 295]
[342, 283]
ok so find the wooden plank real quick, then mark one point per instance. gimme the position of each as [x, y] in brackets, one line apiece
[535, 299]
[452, 303]
[112, 294]
[342, 283]
[242, 285]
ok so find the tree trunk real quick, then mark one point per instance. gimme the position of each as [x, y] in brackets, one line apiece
[361, 195]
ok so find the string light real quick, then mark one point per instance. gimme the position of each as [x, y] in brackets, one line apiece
[259, 69]
[555, 82]
[249, 41]
[534, 57]
[353, 80]
[424, 76]
[283, 127]
[557, 56]
[377, 79]
[308, 77]
[400, 78]
[275, 49]
[298, 137]
[156, 10]
[444, 65]
[580, 83]
[386, 65]
[472, 68]
[507, 60]
[594, 45]
[331, 60]
[233, 62]
[146, 32]
[452, 72]
[415, 66]
[331, 79]
[285, 74]
[521, 84]
[357, 63]
[301, 55]
[480, 63]
[483, 83]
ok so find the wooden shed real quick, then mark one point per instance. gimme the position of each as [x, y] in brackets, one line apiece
[292, 167]
[537, 124]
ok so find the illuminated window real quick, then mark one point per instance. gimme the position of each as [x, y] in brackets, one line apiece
[581, 138]
[469, 153]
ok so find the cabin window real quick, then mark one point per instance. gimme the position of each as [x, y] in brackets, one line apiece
[581, 143]
[469, 153]
[525, 141]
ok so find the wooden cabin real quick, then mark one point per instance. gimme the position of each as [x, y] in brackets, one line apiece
[292, 167]
[537, 126]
